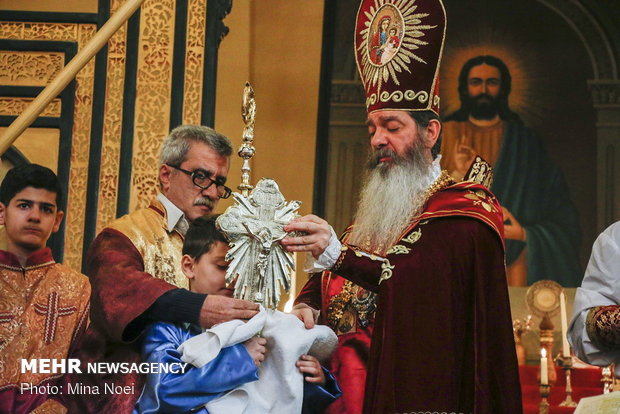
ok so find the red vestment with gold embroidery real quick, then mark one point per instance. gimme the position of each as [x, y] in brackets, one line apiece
[43, 314]
[442, 338]
[131, 263]
[349, 310]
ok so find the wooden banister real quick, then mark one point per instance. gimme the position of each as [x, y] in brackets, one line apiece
[66, 75]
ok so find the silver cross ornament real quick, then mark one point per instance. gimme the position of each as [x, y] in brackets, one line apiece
[258, 263]
[254, 225]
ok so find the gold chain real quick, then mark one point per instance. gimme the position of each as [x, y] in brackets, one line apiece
[442, 181]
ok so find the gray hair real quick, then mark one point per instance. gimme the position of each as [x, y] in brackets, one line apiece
[177, 143]
[422, 119]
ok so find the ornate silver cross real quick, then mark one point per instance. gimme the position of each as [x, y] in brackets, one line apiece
[254, 227]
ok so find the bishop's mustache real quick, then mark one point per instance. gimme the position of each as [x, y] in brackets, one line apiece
[376, 155]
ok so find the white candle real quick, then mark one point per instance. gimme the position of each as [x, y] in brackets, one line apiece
[544, 379]
[565, 347]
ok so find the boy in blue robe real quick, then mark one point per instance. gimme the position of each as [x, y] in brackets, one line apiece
[204, 264]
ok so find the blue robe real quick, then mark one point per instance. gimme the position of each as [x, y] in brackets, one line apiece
[533, 189]
[233, 367]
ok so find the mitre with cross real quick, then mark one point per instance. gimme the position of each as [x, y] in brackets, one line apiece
[254, 225]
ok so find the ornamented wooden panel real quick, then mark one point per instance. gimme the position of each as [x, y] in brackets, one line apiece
[79, 33]
[153, 93]
[115, 149]
[194, 61]
[13, 106]
[112, 124]
[153, 96]
[39, 31]
[20, 68]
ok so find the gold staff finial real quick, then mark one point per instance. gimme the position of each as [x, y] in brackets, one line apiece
[246, 151]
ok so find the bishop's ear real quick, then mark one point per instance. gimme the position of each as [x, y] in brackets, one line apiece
[433, 130]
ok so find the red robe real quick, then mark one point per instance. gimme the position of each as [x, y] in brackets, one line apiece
[43, 315]
[349, 363]
[442, 339]
[118, 264]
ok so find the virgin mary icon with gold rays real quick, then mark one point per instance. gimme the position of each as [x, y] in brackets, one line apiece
[385, 35]
[392, 52]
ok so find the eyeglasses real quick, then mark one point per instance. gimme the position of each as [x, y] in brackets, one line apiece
[203, 181]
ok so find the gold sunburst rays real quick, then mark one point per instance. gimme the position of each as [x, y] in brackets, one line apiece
[410, 29]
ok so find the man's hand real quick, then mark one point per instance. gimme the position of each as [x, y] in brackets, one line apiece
[311, 368]
[318, 233]
[512, 230]
[256, 349]
[217, 309]
[464, 155]
[305, 314]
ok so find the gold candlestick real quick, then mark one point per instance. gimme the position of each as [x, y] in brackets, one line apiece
[567, 365]
[519, 327]
[543, 407]
[546, 341]
[247, 151]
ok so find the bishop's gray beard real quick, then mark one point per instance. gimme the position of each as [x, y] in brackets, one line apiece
[392, 195]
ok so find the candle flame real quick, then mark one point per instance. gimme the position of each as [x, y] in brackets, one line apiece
[543, 353]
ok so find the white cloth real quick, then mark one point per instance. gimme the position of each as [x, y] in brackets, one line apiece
[600, 287]
[280, 385]
[201, 349]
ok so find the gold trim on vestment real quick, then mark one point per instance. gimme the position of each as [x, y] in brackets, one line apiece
[603, 326]
[160, 250]
[27, 268]
[42, 308]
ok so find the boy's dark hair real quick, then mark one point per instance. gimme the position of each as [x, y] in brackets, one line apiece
[29, 175]
[201, 235]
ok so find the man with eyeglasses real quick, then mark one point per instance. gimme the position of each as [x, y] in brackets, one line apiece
[134, 265]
